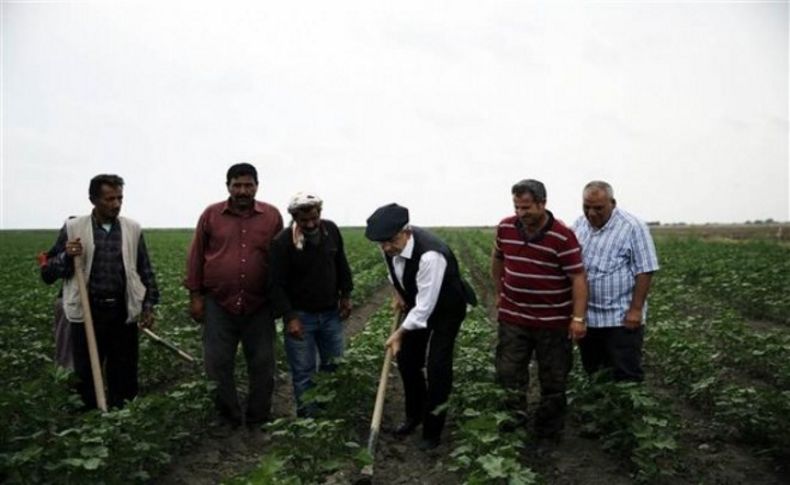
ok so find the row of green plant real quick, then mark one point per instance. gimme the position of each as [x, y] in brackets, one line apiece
[482, 453]
[41, 419]
[758, 350]
[307, 450]
[753, 277]
[737, 375]
[699, 342]
[628, 421]
[45, 436]
[626, 418]
[46, 439]
[366, 265]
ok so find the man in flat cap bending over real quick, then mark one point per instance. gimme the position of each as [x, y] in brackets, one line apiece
[433, 297]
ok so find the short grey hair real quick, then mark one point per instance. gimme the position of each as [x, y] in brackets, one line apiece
[599, 185]
[531, 186]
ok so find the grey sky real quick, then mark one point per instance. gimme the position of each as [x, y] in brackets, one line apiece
[440, 106]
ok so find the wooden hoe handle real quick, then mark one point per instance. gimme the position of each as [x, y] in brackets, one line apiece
[93, 351]
[382, 391]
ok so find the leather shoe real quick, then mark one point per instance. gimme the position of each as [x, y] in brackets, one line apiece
[407, 427]
[427, 444]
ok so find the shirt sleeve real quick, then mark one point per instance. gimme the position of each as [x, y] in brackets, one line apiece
[195, 257]
[429, 283]
[577, 226]
[146, 272]
[497, 246]
[345, 283]
[643, 251]
[278, 274]
[59, 264]
[570, 255]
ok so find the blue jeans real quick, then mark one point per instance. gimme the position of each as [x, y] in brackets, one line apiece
[323, 336]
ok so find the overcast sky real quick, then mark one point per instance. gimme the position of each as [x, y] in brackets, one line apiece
[440, 106]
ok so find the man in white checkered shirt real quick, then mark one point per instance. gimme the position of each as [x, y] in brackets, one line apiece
[620, 259]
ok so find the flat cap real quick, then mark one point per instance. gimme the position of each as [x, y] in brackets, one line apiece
[386, 222]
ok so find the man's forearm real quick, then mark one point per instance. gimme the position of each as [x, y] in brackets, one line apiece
[641, 289]
[146, 272]
[579, 294]
[60, 264]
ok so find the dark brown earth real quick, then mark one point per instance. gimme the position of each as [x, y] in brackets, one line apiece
[224, 453]
[706, 457]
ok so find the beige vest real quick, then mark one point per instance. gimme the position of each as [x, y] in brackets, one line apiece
[82, 227]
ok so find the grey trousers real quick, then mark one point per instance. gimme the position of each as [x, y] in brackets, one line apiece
[222, 333]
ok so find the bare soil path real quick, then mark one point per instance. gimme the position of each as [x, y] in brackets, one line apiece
[706, 456]
[224, 453]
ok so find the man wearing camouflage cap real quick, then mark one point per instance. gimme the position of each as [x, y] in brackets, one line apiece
[311, 288]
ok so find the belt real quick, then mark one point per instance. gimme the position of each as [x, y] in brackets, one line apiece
[106, 301]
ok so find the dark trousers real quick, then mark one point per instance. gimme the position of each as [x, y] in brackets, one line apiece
[553, 351]
[617, 349]
[118, 348]
[423, 397]
[62, 330]
[222, 333]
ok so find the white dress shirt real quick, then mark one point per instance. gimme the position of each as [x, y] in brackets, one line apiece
[430, 274]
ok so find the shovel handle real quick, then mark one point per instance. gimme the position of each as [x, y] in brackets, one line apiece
[378, 408]
[93, 350]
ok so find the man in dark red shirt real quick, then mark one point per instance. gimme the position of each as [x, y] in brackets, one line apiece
[541, 301]
[227, 269]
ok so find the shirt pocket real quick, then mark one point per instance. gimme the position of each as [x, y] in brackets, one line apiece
[611, 260]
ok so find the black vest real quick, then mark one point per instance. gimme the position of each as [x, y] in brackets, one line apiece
[454, 295]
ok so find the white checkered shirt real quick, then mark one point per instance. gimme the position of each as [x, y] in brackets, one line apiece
[613, 256]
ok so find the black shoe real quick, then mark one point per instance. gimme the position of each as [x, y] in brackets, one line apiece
[513, 424]
[407, 427]
[548, 439]
[223, 427]
[427, 444]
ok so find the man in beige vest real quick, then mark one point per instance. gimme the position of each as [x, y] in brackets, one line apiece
[121, 286]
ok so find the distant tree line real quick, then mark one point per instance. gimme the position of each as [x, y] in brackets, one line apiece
[672, 224]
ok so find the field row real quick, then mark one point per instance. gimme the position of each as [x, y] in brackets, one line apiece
[715, 337]
[45, 437]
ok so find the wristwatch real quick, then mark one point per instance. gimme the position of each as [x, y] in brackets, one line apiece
[577, 319]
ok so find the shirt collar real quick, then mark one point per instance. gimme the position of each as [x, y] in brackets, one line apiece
[97, 224]
[541, 232]
[613, 219]
[408, 249]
